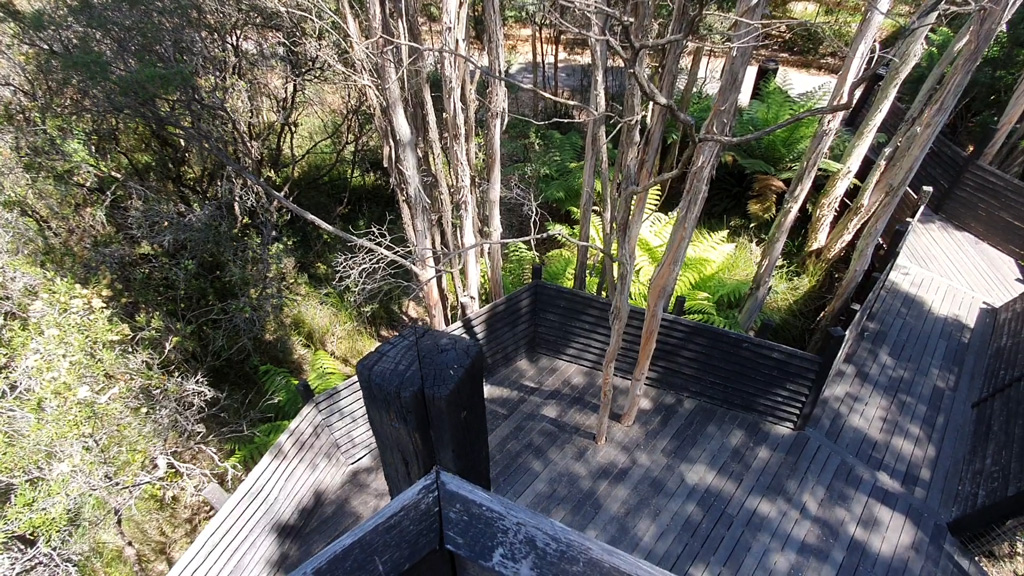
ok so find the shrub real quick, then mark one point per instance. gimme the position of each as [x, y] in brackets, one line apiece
[91, 426]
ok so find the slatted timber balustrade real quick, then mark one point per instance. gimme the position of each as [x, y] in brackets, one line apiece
[725, 368]
[991, 487]
[974, 196]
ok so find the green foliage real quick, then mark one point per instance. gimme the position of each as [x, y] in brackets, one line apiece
[283, 403]
[89, 422]
[554, 168]
[517, 266]
[780, 152]
[754, 171]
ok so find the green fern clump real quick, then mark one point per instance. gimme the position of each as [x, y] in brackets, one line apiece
[780, 152]
[517, 266]
[554, 168]
[777, 156]
[283, 403]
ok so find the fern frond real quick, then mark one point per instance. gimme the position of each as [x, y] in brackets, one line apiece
[283, 400]
[761, 202]
[249, 451]
[325, 372]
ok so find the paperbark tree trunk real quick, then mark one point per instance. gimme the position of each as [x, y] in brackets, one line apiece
[497, 111]
[1012, 113]
[628, 214]
[684, 18]
[914, 137]
[866, 202]
[595, 145]
[745, 30]
[939, 70]
[453, 41]
[406, 166]
[906, 57]
[800, 186]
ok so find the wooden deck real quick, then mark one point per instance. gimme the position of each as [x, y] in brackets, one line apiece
[698, 489]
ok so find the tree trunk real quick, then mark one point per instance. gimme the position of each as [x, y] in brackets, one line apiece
[907, 55]
[596, 136]
[497, 111]
[1012, 113]
[1013, 161]
[939, 70]
[684, 18]
[533, 67]
[817, 150]
[691, 78]
[705, 159]
[556, 45]
[406, 168]
[915, 136]
[867, 202]
[628, 214]
[453, 41]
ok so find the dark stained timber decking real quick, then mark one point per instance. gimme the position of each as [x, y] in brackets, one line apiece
[504, 538]
[992, 482]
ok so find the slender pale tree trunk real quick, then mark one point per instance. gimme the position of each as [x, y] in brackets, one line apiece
[596, 136]
[939, 70]
[497, 111]
[1013, 159]
[866, 202]
[1010, 116]
[817, 150]
[628, 214]
[744, 33]
[453, 41]
[684, 18]
[691, 78]
[406, 168]
[915, 136]
[906, 57]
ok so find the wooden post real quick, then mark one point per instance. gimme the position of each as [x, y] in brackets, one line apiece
[866, 93]
[304, 390]
[766, 70]
[766, 327]
[424, 397]
[829, 358]
[537, 273]
[679, 307]
[892, 251]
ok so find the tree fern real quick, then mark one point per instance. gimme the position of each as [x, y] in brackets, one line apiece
[248, 452]
[283, 404]
[325, 372]
[517, 266]
[283, 400]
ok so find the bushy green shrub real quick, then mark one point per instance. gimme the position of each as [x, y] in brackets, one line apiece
[91, 426]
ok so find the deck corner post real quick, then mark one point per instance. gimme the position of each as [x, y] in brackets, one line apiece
[764, 329]
[831, 355]
[537, 273]
[424, 398]
[679, 306]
